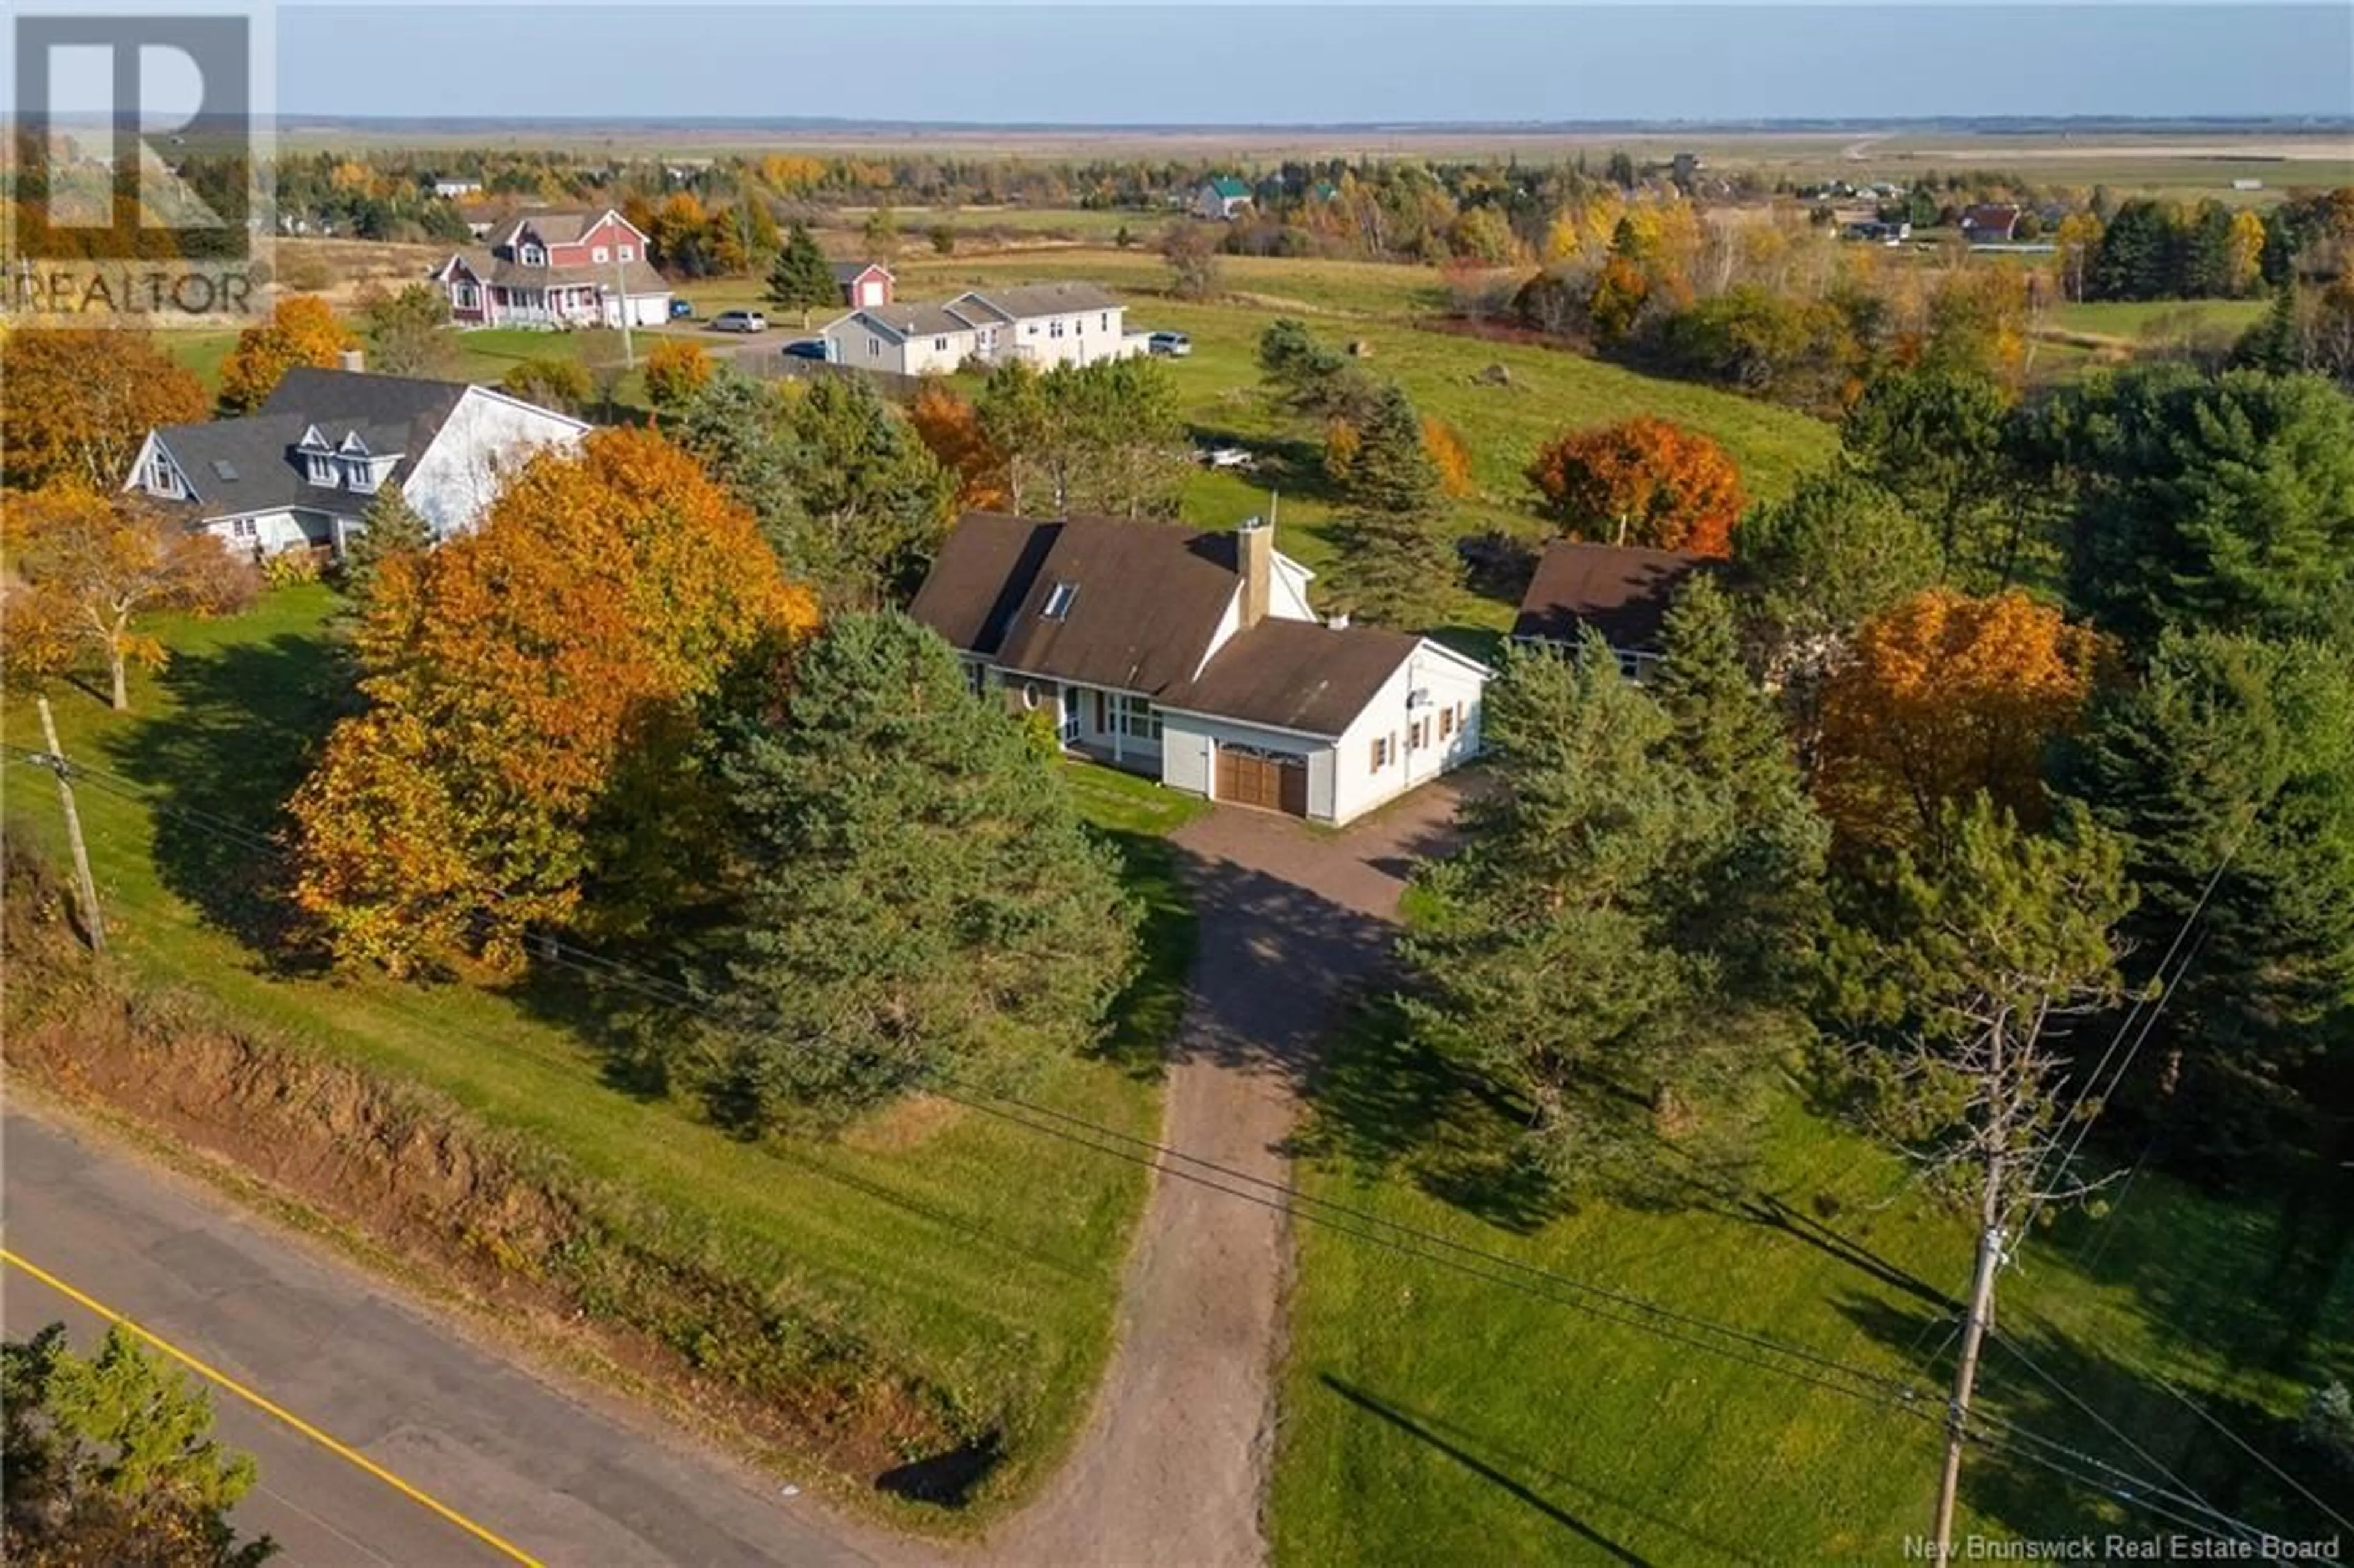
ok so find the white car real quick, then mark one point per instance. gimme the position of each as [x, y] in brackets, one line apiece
[1228, 457]
[739, 321]
[1173, 345]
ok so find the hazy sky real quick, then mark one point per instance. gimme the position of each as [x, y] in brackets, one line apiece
[1123, 64]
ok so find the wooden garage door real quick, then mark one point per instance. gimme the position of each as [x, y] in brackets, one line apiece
[1269, 780]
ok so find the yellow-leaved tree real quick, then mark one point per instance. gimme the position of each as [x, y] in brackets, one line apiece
[533, 691]
[89, 570]
[1947, 695]
[301, 330]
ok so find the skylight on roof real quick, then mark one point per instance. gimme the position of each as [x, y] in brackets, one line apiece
[1058, 601]
[224, 468]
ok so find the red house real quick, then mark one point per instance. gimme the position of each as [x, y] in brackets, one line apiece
[556, 269]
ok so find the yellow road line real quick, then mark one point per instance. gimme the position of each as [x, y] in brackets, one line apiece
[341, 1450]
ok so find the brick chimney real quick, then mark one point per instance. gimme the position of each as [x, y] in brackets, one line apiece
[1255, 562]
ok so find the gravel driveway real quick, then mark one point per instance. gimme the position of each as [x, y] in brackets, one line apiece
[1172, 1468]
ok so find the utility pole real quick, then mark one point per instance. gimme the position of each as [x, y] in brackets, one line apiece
[54, 760]
[1965, 1375]
[621, 303]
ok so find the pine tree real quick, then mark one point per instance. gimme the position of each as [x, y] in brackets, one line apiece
[735, 426]
[1725, 727]
[2272, 344]
[1755, 898]
[801, 279]
[874, 501]
[2237, 754]
[1400, 565]
[1561, 954]
[391, 526]
[921, 898]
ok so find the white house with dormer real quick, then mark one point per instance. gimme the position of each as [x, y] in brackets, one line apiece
[1196, 659]
[301, 472]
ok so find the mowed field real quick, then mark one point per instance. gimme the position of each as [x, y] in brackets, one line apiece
[1392, 312]
[1505, 398]
[1430, 1417]
[982, 1256]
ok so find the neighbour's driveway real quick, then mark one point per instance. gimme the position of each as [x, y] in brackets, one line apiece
[1172, 1468]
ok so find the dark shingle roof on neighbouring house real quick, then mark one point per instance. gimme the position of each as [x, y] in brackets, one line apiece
[851, 271]
[248, 465]
[1144, 602]
[1621, 591]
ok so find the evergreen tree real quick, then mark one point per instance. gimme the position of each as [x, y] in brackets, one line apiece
[2229, 773]
[1568, 951]
[110, 1459]
[1757, 900]
[1725, 727]
[391, 526]
[2224, 501]
[735, 425]
[874, 501]
[801, 279]
[1935, 439]
[2272, 346]
[1400, 567]
[919, 898]
[1815, 567]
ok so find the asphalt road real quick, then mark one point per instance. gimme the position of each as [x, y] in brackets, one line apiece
[475, 1461]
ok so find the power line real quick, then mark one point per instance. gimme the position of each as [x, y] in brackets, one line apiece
[1621, 1307]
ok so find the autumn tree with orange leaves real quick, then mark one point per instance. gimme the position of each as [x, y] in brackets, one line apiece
[1948, 696]
[78, 404]
[533, 688]
[951, 427]
[301, 330]
[90, 570]
[1643, 481]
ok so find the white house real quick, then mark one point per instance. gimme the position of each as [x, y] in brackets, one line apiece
[301, 472]
[1223, 196]
[1196, 659]
[1046, 324]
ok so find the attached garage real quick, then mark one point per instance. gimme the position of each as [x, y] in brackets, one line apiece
[1271, 781]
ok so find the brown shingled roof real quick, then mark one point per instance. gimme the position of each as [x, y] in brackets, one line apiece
[1145, 600]
[1621, 591]
[1295, 676]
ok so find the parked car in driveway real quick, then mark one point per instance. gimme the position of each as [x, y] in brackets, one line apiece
[1173, 345]
[806, 348]
[679, 310]
[739, 321]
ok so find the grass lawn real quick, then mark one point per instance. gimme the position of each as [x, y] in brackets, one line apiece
[981, 1256]
[2136, 320]
[1430, 1417]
